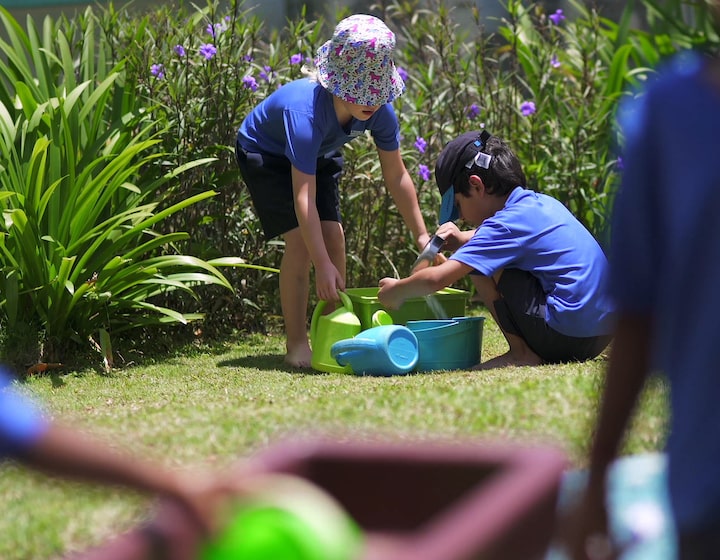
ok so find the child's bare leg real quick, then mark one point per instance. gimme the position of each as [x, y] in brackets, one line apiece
[294, 288]
[519, 353]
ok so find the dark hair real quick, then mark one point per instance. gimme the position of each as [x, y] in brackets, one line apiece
[504, 174]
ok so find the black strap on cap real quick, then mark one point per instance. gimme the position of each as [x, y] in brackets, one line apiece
[480, 142]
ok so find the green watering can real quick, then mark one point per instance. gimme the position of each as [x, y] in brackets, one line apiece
[326, 330]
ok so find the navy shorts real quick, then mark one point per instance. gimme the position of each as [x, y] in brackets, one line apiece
[269, 180]
[521, 311]
[699, 545]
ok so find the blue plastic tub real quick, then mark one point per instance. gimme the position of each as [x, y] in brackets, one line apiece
[446, 344]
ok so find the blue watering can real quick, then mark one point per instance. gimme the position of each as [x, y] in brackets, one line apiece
[383, 350]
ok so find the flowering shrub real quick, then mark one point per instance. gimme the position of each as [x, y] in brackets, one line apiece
[548, 83]
[82, 249]
[195, 71]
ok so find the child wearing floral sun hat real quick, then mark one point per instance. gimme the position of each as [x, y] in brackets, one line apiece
[288, 155]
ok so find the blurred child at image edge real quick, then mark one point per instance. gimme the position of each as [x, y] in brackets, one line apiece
[535, 267]
[288, 154]
[190, 507]
[666, 281]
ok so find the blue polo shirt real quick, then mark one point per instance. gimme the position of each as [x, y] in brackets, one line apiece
[298, 121]
[536, 233]
[21, 422]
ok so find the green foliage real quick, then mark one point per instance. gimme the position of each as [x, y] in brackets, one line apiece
[574, 70]
[198, 69]
[135, 86]
[80, 196]
[567, 71]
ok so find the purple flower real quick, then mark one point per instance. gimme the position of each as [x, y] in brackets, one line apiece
[207, 50]
[248, 58]
[527, 108]
[554, 62]
[158, 70]
[296, 59]
[473, 111]
[424, 172]
[250, 83]
[216, 29]
[403, 73]
[420, 144]
[179, 50]
[557, 17]
[266, 73]
[620, 163]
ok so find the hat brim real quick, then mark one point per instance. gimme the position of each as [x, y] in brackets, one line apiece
[448, 208]
[330, 76]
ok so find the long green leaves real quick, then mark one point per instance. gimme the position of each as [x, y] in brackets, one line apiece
[81, 193]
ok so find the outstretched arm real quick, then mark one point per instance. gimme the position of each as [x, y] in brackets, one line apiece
[394, 292]
[328, 279]
[65, 452]
[402, 189]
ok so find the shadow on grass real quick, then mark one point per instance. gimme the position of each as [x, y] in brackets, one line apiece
[57, 380]
[267, 362]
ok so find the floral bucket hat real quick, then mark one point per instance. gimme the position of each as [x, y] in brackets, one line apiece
[357, 63]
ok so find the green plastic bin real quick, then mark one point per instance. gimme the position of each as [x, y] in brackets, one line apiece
[365, 302]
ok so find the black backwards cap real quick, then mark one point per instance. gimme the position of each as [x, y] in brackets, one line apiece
[462, 152]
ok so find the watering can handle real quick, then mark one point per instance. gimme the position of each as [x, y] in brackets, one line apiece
[343, 350]
[344, 298]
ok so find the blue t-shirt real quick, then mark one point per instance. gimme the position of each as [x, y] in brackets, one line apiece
[536, 233]
[21, 423]
[298, 121]
[665, 256]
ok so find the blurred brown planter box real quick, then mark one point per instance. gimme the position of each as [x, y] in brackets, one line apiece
[431, 501]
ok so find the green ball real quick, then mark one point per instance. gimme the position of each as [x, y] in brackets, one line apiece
[290, 520]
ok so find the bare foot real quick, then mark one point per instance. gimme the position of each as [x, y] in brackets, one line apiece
[299, 357]
[507, 359]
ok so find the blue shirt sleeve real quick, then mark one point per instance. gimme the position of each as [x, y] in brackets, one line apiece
[21, 421]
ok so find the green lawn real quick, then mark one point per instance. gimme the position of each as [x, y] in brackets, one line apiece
[211, 406]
